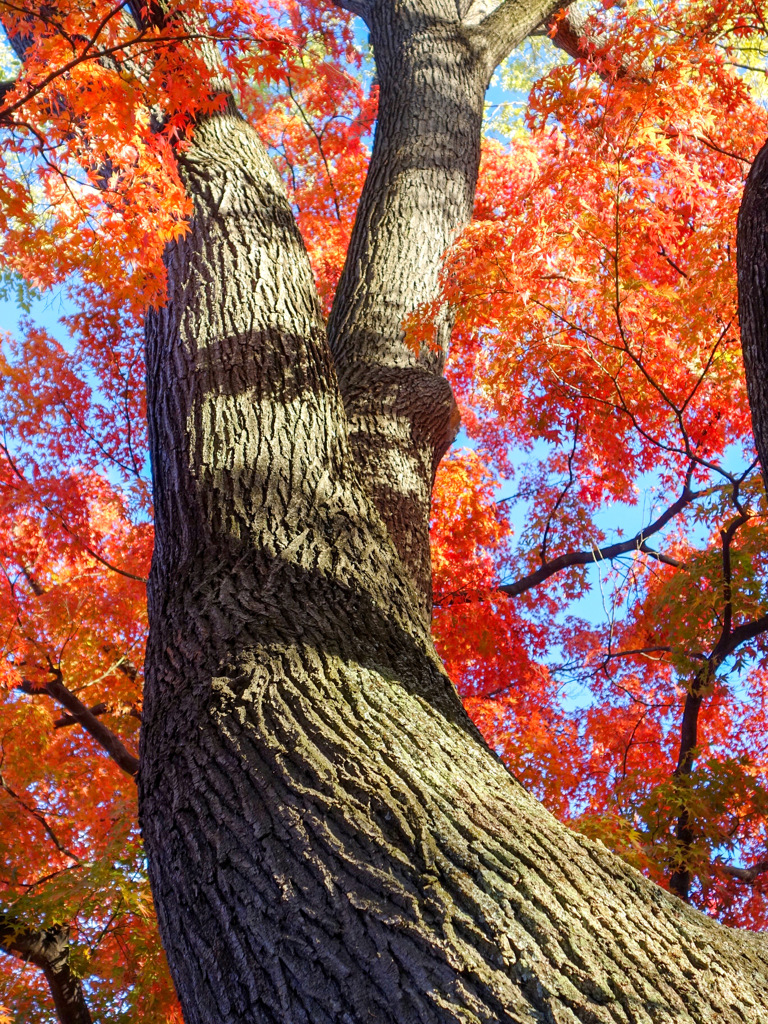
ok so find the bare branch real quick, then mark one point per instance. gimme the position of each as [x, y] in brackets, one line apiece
[747, 875]
[639, 650]
[598, 554]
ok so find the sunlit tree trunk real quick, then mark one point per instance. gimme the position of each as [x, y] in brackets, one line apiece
[329, 838]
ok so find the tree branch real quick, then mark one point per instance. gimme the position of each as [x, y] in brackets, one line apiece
[48, 949]
[358, 7]
[509, 24]
[67, 719]
[747, 875]
[560, 497]
[662, 649]
[740, 635]
[568, 35]
[597, 554]
[727, 643]
[85, 716]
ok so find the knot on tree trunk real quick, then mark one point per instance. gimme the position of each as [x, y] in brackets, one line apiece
[402, 420]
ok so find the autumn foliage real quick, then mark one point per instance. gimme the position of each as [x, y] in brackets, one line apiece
[597, 349]
[596, 361]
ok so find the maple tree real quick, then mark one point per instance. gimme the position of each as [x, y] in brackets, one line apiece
[352, 848]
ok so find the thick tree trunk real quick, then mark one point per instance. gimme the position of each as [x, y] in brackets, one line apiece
[329, 839]
[752, 261]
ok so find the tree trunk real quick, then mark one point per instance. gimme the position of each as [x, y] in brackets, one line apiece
[752, 263]
[329, 839]
[418, 194]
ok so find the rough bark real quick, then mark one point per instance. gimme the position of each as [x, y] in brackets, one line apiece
[433, 69]
[329, 839]
[417, 195]
[752, 263]
[48, 949]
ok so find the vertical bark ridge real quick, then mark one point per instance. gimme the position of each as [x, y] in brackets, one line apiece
[247, 431]
[261, 526]
[417, 196]
[752, 264]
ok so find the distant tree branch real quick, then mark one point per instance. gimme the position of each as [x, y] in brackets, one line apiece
[48, 949]
[124, 665]
[64, 524]
[40, 818]
[610, 551]
[663, 649]
[706, 141]
[748, 875]
[729, 640]
[561, 496]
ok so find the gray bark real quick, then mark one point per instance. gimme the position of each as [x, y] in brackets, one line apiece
[418, 194]
[329, 839]
[433, 70]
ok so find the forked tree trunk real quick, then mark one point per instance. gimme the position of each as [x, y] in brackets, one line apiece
[329, 839]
